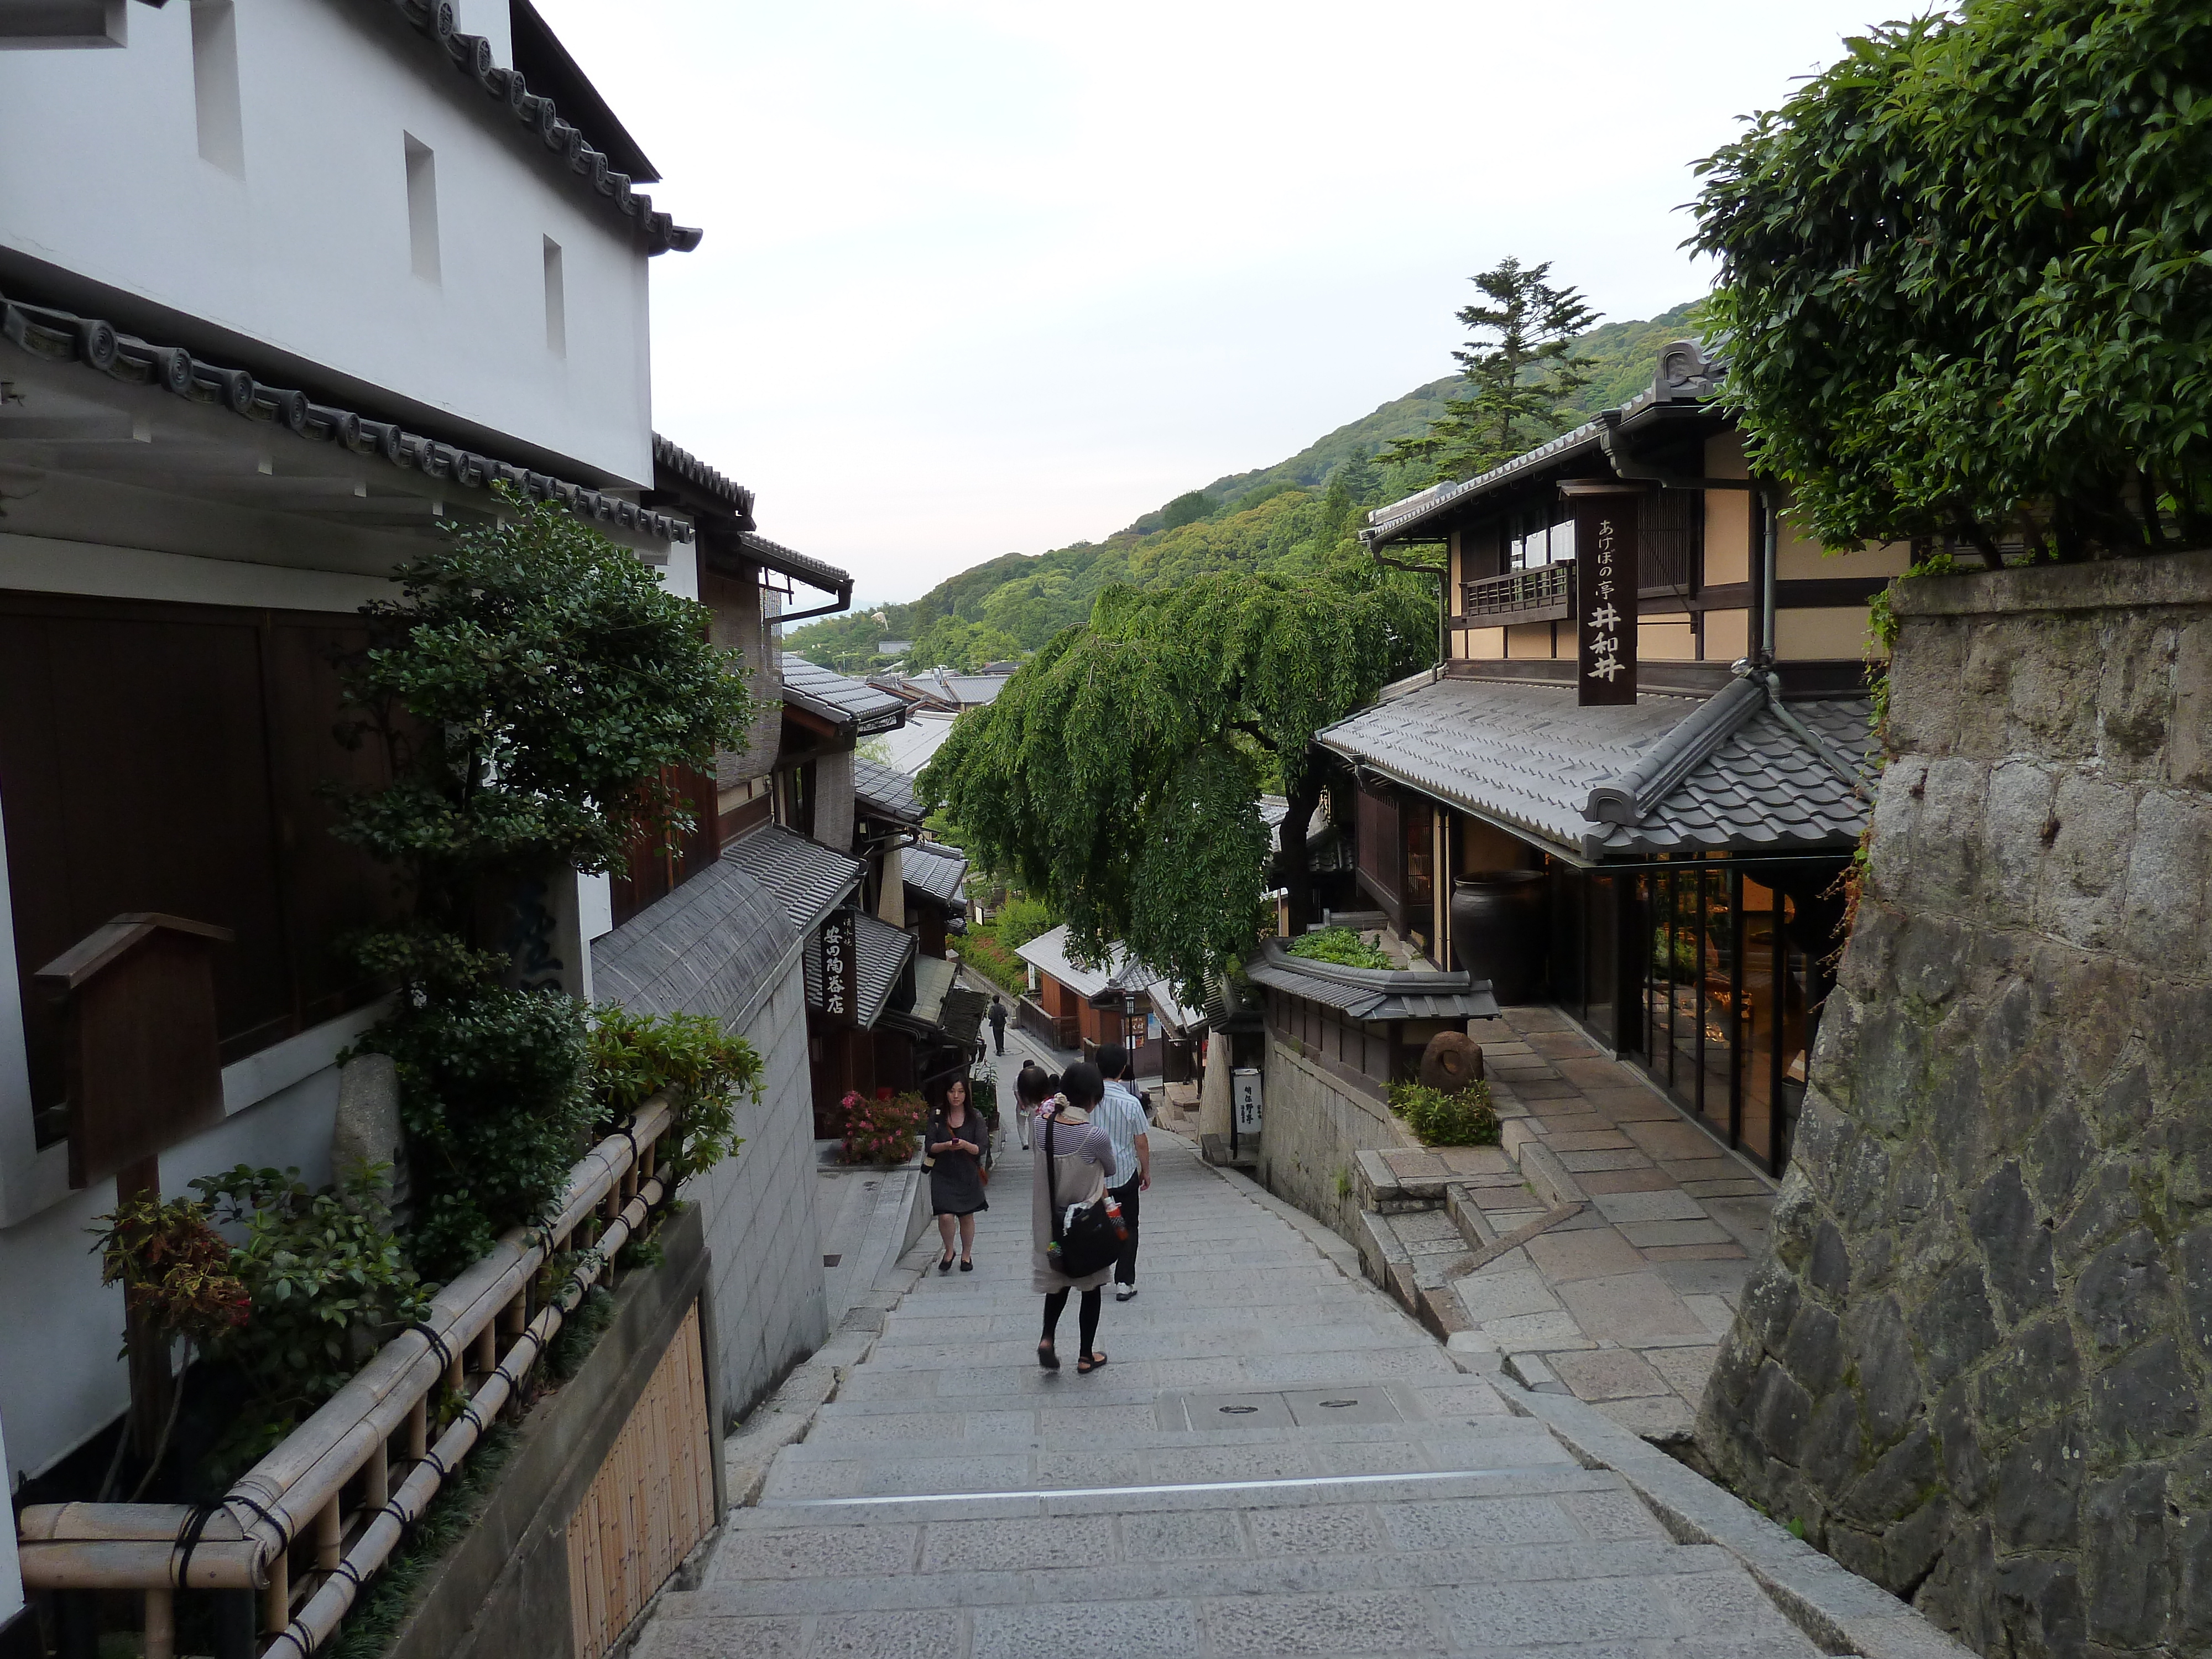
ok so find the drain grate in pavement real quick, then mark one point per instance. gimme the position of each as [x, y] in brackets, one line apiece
[1283, 1409]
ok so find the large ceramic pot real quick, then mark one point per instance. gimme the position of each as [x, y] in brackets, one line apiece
[1497, 930]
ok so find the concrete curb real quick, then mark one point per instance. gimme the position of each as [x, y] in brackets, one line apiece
[1834, 1607]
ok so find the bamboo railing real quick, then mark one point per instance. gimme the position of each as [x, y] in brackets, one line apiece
[308, 1525]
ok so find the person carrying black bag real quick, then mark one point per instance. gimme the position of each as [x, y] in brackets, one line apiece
[1069, 1225]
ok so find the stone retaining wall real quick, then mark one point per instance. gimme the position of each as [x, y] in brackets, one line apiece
[1975, 1366]
[1314, 1128]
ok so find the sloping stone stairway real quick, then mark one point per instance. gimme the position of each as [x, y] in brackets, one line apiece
[1275, 1460]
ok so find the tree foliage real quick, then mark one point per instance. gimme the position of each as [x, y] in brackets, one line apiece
[1117, 776]
[1523, 370]
[533, 689]
[1966, 281]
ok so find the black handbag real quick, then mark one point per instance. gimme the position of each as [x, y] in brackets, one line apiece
[1088, 1244]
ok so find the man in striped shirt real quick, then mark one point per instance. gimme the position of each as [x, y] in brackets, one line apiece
[1121, 1115]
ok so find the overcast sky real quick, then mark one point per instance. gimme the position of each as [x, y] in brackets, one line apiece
[994, 276]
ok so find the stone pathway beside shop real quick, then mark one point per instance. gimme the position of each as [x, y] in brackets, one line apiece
[1599, 1252]
[1277, 1460]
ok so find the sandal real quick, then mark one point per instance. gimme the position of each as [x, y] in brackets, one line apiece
[1090, 1363]
[1047, 1358]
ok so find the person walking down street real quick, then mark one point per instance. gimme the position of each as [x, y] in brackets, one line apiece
[999, 1023]
[1034, 1088]
[955, 1144]
[1072, 1176]
[1121, 1115]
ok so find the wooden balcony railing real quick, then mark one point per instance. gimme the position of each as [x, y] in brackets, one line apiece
[1544, 595]
[320, 1515]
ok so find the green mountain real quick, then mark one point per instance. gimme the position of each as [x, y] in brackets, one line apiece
[1281, 517]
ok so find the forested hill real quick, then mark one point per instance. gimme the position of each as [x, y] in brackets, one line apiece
[1277, 518]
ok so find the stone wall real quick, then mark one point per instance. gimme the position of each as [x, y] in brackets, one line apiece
[1312, 1129]
[1975, 1367]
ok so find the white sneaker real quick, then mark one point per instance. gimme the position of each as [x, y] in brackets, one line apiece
[1123, 1293]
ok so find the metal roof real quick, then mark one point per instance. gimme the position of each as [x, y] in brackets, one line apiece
[715, 946]
[799, 566]
[885, 792]
[1665, 774]
[844, 701]
[1368, 993]
[1685, 376]
[808, 879]
[936, 870]
[64, 336]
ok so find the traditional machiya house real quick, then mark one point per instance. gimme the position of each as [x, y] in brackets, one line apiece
[883, 1013]
[1075, 1006]
[376, 258]
[1633, 785]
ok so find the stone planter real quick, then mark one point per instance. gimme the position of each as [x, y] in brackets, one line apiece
[1497, 930]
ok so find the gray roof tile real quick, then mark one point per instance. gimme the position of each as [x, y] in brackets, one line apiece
[885, 792]
[835, 697]
[808, 879]
[713, 946]
[936, 870]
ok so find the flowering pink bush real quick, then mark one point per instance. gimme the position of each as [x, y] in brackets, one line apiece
[883, 1130]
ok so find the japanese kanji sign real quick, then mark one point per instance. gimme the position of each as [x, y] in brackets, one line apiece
[841, 1001]
[1605, 597]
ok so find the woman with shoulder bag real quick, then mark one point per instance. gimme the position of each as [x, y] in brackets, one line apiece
[955, 1145]
[1076, 1242]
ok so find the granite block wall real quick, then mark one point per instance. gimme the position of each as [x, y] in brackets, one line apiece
[1313, 1128]
[1977, 1366]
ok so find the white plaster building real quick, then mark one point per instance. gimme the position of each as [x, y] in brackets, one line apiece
[283, 284]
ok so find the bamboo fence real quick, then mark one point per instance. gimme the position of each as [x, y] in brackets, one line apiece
[308, 1525]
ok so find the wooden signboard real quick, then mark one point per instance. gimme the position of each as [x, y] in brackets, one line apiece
[139, 1039]
[1605, 592]
[840, 985]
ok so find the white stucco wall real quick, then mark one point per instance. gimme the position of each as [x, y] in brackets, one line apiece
[303, 244]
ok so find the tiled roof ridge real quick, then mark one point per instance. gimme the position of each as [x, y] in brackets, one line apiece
[689, 467]
[440, 21]
[1628, 797]
[815, 572]
[1684, 375]
[62, 336]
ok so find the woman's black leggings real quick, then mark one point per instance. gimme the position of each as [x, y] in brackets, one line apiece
[1086, 1314]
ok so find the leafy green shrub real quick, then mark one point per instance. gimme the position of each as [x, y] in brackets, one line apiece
[1463, 1119]
[1340, 945]
[884, 1131]
[327, 1283]
[492, 1096]
[636, 1056]
[1025, 918]
[982, 950]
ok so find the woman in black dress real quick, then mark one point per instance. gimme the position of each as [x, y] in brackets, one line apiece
[956, 1135]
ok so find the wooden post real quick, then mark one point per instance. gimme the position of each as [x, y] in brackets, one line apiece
[145, 1345]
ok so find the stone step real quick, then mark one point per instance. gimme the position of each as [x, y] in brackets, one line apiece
[1470, 1565]
[1063, 1409]
[855, 1468]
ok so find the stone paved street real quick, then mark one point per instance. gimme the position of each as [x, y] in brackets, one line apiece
[1276, 1461]
[1620, 1302]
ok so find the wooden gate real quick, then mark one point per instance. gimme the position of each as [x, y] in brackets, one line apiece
[651, 1502]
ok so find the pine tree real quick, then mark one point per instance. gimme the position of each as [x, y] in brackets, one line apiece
[1519, 367]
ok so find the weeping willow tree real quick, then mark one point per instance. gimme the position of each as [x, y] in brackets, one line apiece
[1118, 775]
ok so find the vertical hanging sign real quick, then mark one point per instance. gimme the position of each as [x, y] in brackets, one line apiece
[840, 989]
[1604, 592]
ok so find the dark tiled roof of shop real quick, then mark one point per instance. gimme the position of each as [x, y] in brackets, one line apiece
[811, 571]
[808, 879]
[837, 698]
[713, 946]
[885, 791]
[1372, 993]
[880, 957]
[937, 871]
[1526, 756]
[470, 54]
[61, 336]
